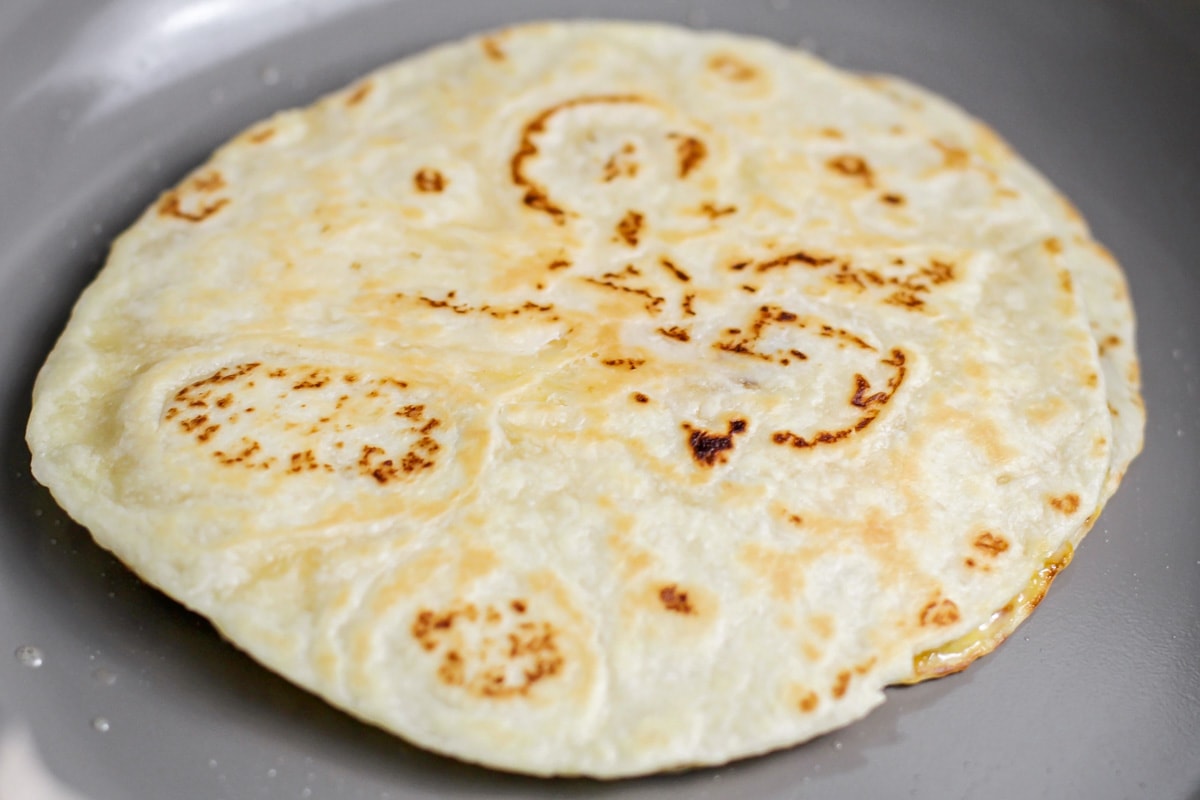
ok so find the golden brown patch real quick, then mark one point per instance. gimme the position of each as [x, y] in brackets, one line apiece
[261, 135]
[429, 180]
[709, 449]
[210, 181]
[491, 48]
[952, 157]
[1053, 245]
[498, 668]
[822, 624]
[1067, 504]
[808, 703]
[629, 228]
[621, 164]
[853, 167]
[732, 68]
[992, 544]
[892, 199]
[940, 612]
[638, 397]
[673, 599]
[690, 152]
[359, 94]
[870, 405]
[170, 206]
[841, 685]
[536, 196]
[712, 211]
[675, 332]
[1064, 280]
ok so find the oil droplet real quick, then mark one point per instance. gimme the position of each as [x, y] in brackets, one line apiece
[272, 772]
[104, 677]
[212, 762]
[29, 656]
[101, 724]
[270, 75]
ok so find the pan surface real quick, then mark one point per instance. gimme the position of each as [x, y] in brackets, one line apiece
[104, 103]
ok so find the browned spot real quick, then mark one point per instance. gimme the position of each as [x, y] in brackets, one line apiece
[170, 206]
[1053, 245]
[871, 405]
[670, 267]
[1067, 504]
[629, 227]
[359, 94]
[905, 298]
[675, 332]
[653, 301]
[731, 68]
[429, 180]
[627, 363]
[952, 157]
[260, 136]
[841, 684]
[209, 182]
[713, 211]
[558, 263]
[491, 48]
[799, 257]
[675, 600]
[808, 703]
[535, 196]
[1092, 380]
[892, 199]
[1064, 280]
[1109, 342]
[940, 612]
[991, 543]
[832, 133]
[496, 668]
[710, 448]
[638, 397]
[621, 164]
[855, 167]
[690, 151]
[686, 305]
[795, 519]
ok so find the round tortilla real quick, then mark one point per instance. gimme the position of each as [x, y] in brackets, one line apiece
[600, 398]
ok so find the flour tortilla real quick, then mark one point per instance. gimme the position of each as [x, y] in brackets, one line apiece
[601, 398]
